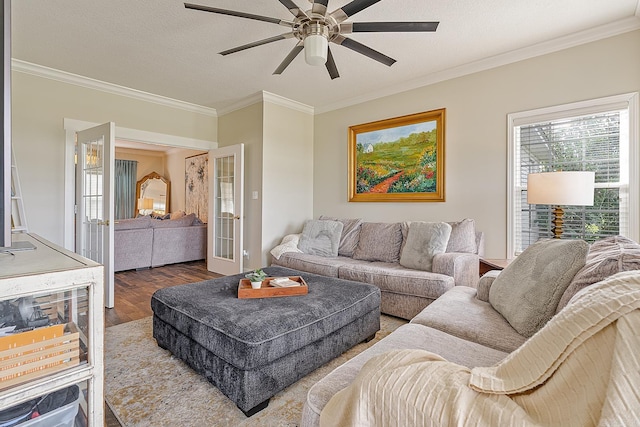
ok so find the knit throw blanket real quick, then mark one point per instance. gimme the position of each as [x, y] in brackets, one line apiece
[581, 369]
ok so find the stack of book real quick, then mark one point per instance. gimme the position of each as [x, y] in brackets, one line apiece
[283, 282]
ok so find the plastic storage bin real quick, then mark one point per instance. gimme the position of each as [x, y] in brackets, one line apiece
[63, 416]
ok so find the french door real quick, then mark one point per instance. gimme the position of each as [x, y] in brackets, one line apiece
[226, 196]
[94, 200]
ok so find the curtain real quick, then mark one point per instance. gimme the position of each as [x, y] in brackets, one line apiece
[125, 188]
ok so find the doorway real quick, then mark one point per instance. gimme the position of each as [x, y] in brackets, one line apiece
[122, 134]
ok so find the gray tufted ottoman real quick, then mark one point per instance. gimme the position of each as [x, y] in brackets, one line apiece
[252, 348]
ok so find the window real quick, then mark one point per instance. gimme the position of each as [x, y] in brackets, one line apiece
[598, 135]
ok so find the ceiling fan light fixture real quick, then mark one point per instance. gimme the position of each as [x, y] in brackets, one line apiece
[316, 44]
[315, 50]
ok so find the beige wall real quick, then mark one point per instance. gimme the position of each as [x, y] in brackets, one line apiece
[244, 126]
[287, 174]
[278, 166]
[476, 131]
[39, 107]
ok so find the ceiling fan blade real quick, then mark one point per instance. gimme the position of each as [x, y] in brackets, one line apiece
[257, 43]
[294, 9]
[351, 9]
[238, 14]
[364, 50]
[319, 6]
[331, 66]
[292, 55]
[387, 27]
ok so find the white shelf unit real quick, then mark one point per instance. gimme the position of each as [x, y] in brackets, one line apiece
[18, 218]
[69, 290]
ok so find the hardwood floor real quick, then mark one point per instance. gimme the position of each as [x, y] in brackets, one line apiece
[133, 290]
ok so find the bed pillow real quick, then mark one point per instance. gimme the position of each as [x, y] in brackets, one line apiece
[379, 241]
[528, 290]
[424, 241]
[463, 237]
[320, 237]
[350, 235]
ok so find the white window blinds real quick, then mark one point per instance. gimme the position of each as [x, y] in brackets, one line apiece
[584, 139]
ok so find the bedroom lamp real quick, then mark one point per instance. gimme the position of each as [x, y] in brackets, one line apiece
[560, 188]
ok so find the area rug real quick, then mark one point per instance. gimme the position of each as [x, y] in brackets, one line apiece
[146, 386]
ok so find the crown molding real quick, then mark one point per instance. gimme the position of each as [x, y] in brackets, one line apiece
[265, 96]
[605, 31]
[75, 79]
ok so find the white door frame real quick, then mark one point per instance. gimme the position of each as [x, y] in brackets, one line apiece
[71, 126]
[224, 264]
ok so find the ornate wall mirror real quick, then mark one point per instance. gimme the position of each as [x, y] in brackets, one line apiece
[153, 195]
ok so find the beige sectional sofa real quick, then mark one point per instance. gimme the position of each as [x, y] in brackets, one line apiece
[146, 242]
[464, 326]
[378, 253]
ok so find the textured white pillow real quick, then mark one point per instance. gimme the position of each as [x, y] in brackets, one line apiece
[320, 237]
[424, 241]
[528, 290]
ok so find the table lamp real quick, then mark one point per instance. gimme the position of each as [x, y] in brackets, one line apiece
[560, 188]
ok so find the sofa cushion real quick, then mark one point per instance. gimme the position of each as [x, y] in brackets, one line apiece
[458, 312]
[528, 290]
[350, 234]
[392, 277]
[463, 237]
[409, 336]
[185, 221]
[325, 266]
[320, 237]
[379, 241]
[133, 223]
[424, 240]
[606, 257]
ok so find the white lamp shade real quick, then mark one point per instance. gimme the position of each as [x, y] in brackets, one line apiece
[561, 188]
[315, 49]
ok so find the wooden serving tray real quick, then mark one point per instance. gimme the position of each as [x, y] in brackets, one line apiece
[267, 291]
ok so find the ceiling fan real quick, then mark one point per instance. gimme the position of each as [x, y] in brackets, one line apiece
[315, 28]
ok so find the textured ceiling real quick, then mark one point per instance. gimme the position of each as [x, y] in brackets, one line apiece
[158, 46]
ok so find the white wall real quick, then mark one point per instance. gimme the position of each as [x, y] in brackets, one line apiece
[287, 174]
[244, 126]
[476, 131]
[40, 105]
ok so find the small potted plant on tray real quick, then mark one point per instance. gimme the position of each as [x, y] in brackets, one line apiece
[256, 277]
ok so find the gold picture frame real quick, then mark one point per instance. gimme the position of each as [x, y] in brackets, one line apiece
[398, 160]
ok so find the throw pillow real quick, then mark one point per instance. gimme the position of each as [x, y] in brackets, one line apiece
[320, 237]
[350, 234]
[424, 241]
[177, 214]
[185, 221]
[463, 237]
[606, 257]
[528, 290]
[379, 241]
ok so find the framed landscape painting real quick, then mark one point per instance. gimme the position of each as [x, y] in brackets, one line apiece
[398, 160]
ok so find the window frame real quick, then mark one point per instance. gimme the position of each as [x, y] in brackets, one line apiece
[627, 101]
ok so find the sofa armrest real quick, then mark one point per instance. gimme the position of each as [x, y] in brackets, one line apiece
[484, 285]
[463, 267]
